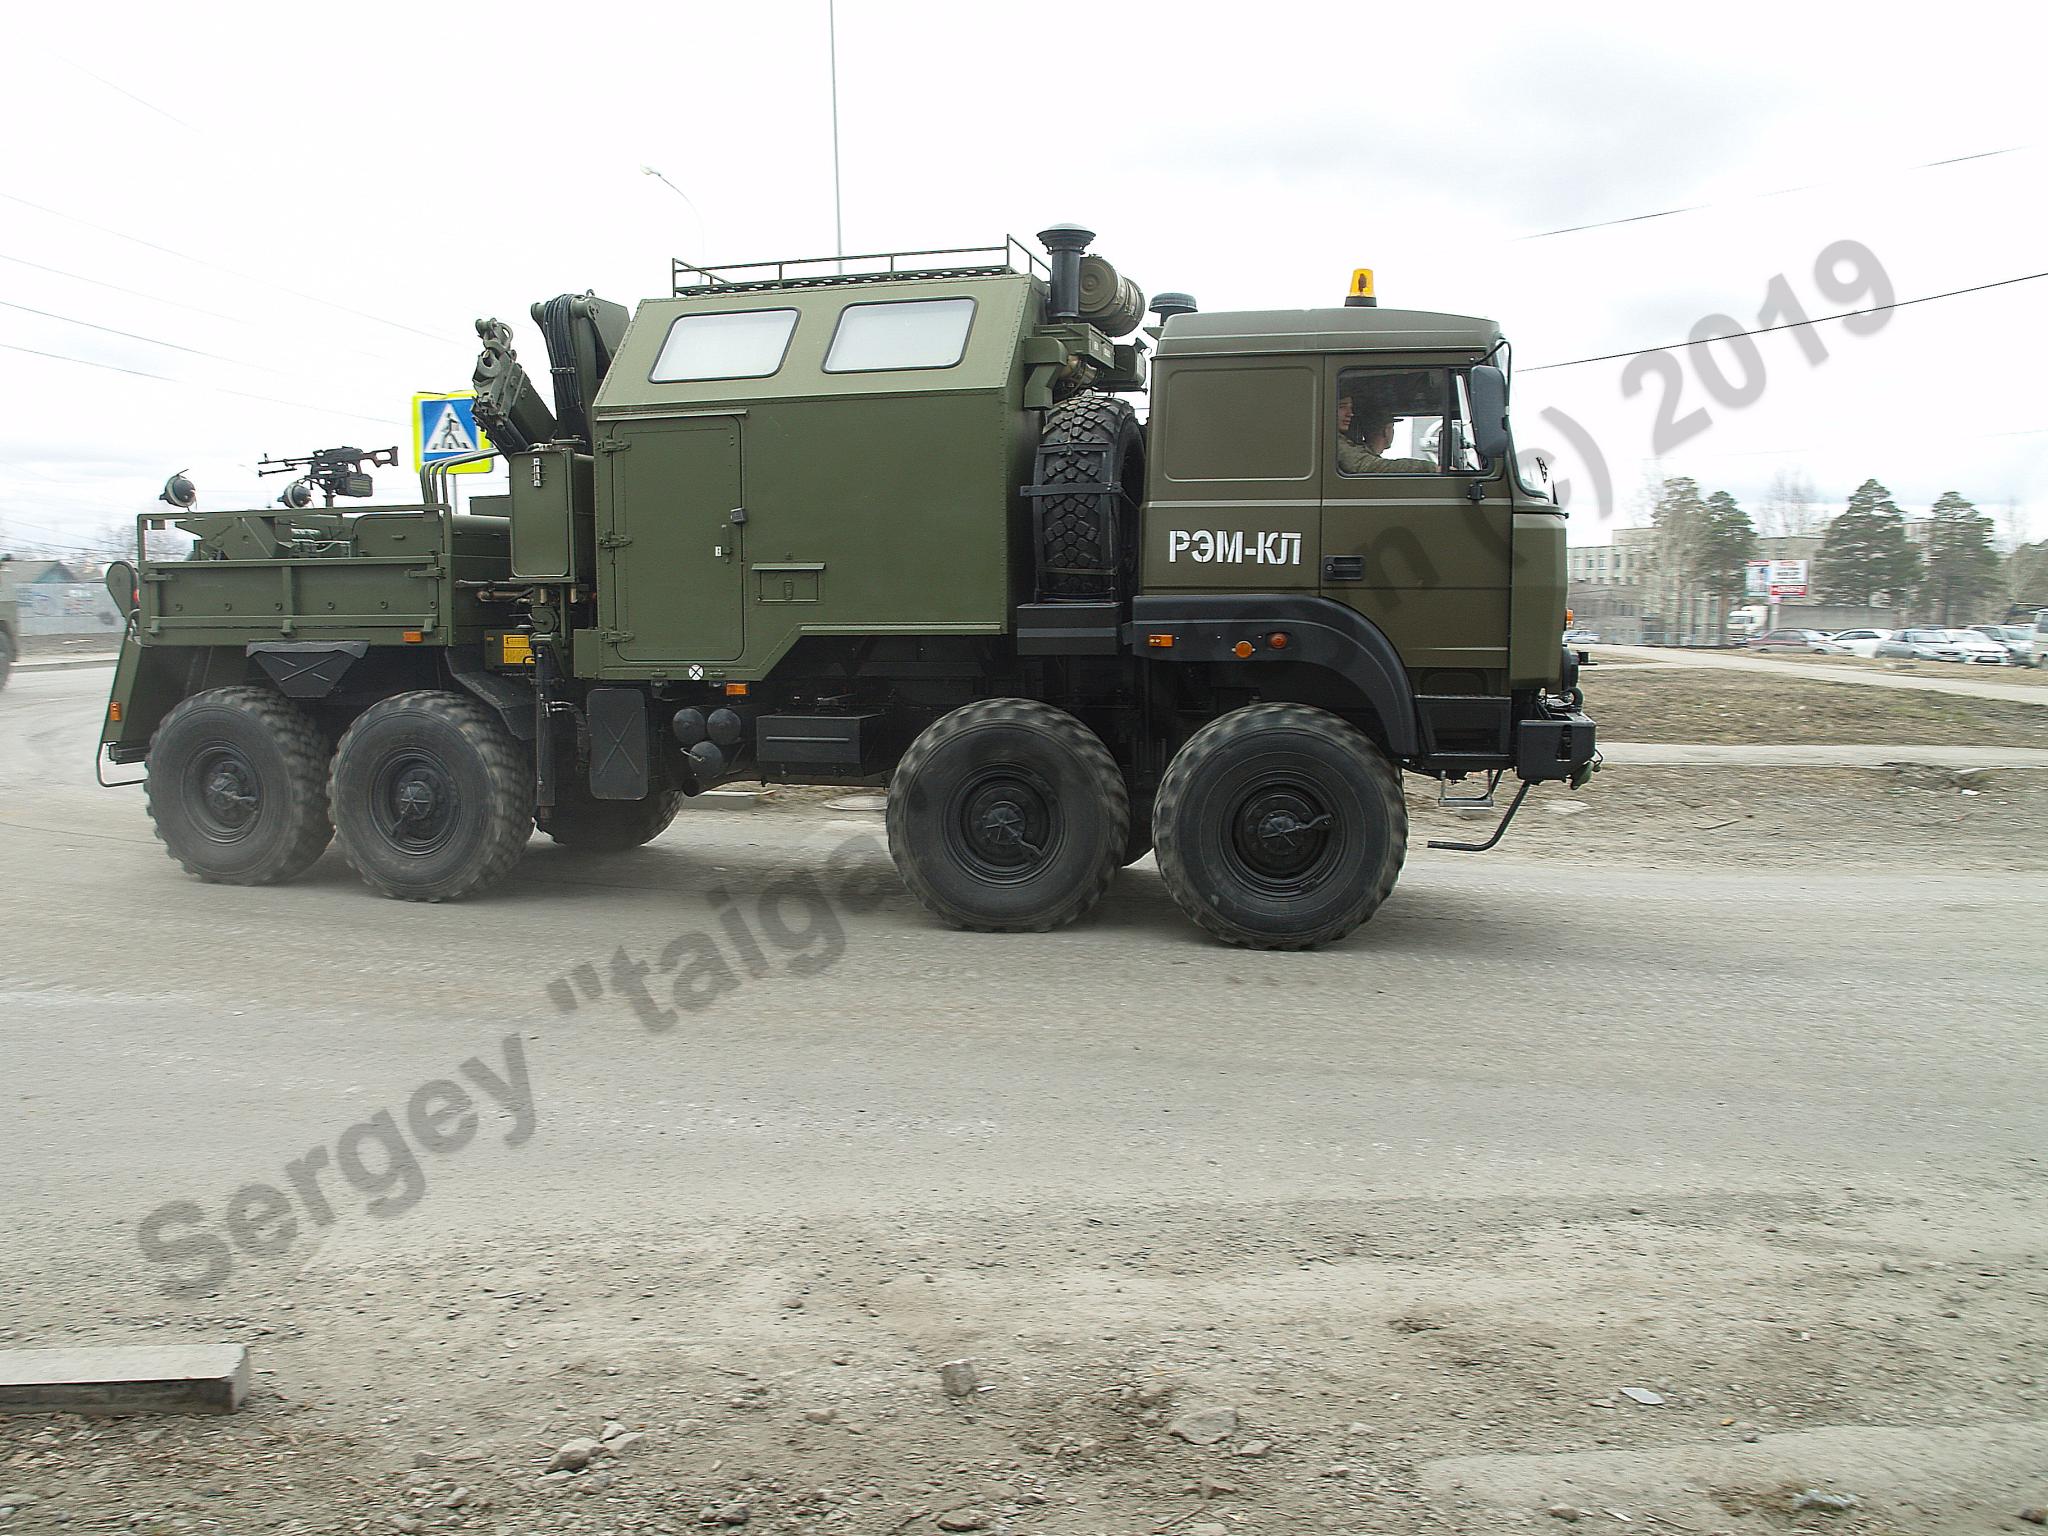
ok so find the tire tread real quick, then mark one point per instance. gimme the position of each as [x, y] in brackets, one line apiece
[509, 806]
[1256, 720]
[304, 749]
[1035, 715]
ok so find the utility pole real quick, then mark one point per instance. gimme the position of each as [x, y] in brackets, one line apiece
[832, 63]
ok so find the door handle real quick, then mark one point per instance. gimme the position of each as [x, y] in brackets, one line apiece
[1343, 567]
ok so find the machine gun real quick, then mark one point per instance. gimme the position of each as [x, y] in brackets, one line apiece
[334, 471]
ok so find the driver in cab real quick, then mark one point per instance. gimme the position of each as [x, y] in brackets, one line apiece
[1364, 434]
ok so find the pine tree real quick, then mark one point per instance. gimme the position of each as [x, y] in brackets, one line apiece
[2026, 577]
[1961, 564]
[1866, 554]
[1727, 545]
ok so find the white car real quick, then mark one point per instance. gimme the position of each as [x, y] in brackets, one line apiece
[1980, 649]
[1859, 642]
[2028, 648]
[1920, 645]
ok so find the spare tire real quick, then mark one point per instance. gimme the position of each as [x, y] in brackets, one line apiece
[1088, 537]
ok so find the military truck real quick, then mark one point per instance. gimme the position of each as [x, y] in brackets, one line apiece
[10, 619]
[896, 520]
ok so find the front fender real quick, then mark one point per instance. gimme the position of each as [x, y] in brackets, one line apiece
[1208, 627]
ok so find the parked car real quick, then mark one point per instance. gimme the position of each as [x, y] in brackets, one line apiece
[2028, 648]
[1809, 640]
[1581, 637]
[1920, 645]
[1962, 645]
[1861, 642]
[1982, 649]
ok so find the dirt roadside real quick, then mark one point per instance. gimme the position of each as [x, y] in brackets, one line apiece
[1136, 1371]
[1700, 704]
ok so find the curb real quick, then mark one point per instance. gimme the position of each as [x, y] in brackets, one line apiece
[63, 663]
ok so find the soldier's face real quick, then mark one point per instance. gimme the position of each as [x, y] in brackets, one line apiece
[1343, 414]
[1380, 438]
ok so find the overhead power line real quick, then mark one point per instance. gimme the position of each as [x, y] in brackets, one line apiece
[124, 91]
[218, 389]
[135, 293]
[197, 309]
[1792, 325]
[50, 314]
[1666, 213]
[310, 298]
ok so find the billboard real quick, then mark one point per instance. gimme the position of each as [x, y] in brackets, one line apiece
[1774, 579]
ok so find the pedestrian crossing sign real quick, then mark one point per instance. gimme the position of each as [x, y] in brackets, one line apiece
[444, 428]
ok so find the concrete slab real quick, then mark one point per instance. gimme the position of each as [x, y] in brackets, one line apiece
[125, 1378]
[858, 803]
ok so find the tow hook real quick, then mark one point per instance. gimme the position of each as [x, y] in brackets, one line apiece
[1514, 805]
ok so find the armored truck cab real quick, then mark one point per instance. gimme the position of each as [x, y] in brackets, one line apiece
[896, 520]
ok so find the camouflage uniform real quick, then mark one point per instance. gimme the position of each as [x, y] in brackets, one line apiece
[1357, 459]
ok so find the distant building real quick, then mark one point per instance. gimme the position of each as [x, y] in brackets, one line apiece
[28, 573]
[1621, 563]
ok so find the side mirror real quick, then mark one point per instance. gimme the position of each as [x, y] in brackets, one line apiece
[1489, 411]
[121, 587]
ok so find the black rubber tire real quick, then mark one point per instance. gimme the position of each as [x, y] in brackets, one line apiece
[236, 783]
[1082, 536]
[1016, 764]
[1280, 760]
[433, 799]
[588, 825]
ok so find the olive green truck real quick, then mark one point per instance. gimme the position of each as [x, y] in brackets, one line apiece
[895, 520]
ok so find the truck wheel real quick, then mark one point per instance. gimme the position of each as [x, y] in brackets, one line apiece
[588, 825]
[237, 787]
[1008, 816]
[1089, 545]
[1280, 827]
[433, 799]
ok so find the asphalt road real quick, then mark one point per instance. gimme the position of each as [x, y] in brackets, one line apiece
[1490, 996]
[1508, 1042]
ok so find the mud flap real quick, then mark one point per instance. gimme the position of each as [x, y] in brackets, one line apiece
[618, 743]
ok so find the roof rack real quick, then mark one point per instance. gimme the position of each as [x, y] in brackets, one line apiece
[876, 267]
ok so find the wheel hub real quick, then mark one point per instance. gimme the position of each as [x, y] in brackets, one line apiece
[1005, 825]
[229, 794]
[414, 803]
[1282, 834]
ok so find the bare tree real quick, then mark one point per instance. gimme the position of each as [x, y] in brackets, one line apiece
[1791, 507]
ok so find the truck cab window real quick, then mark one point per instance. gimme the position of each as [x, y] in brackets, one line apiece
[1391, 421]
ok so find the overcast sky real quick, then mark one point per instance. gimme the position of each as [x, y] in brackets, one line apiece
[311, 207]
